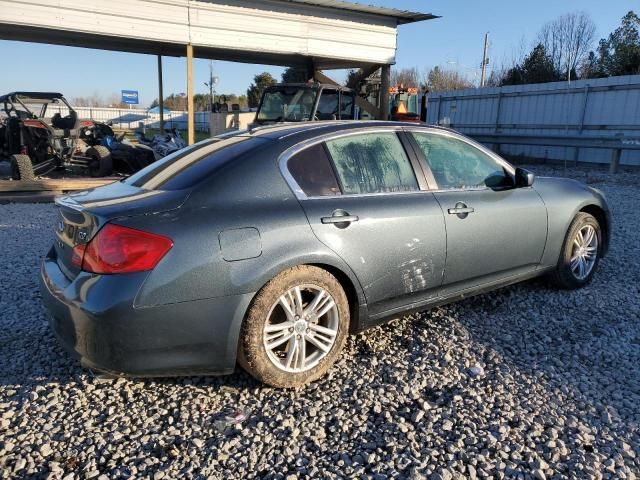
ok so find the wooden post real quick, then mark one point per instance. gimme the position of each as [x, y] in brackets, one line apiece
[385, 83]
[615, 160]
[191, 138]
[160, 94]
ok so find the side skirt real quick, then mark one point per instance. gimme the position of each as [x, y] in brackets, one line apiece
[382, 317]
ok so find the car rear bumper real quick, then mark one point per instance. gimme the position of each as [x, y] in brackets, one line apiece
[94, 319]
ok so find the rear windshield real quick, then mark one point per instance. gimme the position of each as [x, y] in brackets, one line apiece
[187, 167]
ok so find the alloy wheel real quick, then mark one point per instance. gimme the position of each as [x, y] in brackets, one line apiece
[585, 252]
[301, 328]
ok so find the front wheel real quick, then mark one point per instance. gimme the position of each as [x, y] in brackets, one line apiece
[580, 253]
[22, 168]
[295, 329]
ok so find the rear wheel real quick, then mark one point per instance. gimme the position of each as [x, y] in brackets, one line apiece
[101, 164]
[22, 168]
[580, 253]
[295, 329]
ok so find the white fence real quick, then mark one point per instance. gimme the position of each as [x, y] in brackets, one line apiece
[132, 118]
[605, 107]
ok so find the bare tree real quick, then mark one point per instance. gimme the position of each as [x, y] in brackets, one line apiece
[568, 40]
[438, 80]
[408, 77]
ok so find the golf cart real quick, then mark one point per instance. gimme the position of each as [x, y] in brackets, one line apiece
[303, 102]
[35, 143]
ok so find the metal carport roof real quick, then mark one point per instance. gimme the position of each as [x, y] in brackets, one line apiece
[328, 33]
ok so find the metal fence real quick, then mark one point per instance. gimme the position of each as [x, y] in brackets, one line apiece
[536, 118]
[133, 118]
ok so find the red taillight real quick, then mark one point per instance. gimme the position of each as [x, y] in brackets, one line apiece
[117, 249]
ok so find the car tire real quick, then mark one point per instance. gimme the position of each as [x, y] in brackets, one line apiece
[22, 168]
[580, 253]
[312, 340]
[101, 164]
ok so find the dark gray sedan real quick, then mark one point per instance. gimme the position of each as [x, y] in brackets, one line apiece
[268, 247]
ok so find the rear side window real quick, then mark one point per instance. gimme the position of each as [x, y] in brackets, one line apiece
[186, 167]
[372, 163]
[312, 171]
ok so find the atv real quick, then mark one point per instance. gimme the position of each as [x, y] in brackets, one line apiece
[35, 144]
[126, 157]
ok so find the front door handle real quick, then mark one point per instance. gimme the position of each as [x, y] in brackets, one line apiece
[340, 219]
[461, 210]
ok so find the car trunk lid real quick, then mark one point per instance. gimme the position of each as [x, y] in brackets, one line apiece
[80, 215]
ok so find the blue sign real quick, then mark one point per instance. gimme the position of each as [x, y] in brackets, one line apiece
[130, 97]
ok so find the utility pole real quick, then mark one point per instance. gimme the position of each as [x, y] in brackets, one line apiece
[211, 86]
[485, 60]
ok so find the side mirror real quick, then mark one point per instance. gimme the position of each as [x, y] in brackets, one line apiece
[524, 178]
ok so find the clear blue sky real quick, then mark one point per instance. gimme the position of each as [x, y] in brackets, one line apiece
[458, 36]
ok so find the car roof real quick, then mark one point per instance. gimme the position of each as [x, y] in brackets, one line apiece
[282, 130]
[34, 95]
[309, 85]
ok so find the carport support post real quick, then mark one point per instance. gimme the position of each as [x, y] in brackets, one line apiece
[160, 94]
[385, 83]
[191, 126]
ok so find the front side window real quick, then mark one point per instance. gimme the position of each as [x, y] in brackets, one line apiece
[372, 163]
[457, 165]
[311, 169]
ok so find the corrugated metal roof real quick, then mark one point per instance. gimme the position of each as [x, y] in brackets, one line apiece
[401, 16]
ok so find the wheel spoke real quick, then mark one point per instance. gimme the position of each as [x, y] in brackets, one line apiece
[302, 354]
[575, 261]
[277, 327]
[326, 306]
[580, 238]
[286, 305]
[277, 339]
[582, 266]
[316, 301]
[318, 343]
[298, 301]
[589, 237]
[322, 337]
[293, 349]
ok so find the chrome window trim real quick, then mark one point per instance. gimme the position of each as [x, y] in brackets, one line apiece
[293, 150]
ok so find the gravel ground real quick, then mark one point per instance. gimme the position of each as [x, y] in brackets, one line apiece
[526, 382]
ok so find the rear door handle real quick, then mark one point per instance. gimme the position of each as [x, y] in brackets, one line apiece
[459, 210]
[340, 219]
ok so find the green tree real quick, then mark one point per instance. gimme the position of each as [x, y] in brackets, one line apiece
[619, 54]
[260, 82]
[294, 75]
[537, 67]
